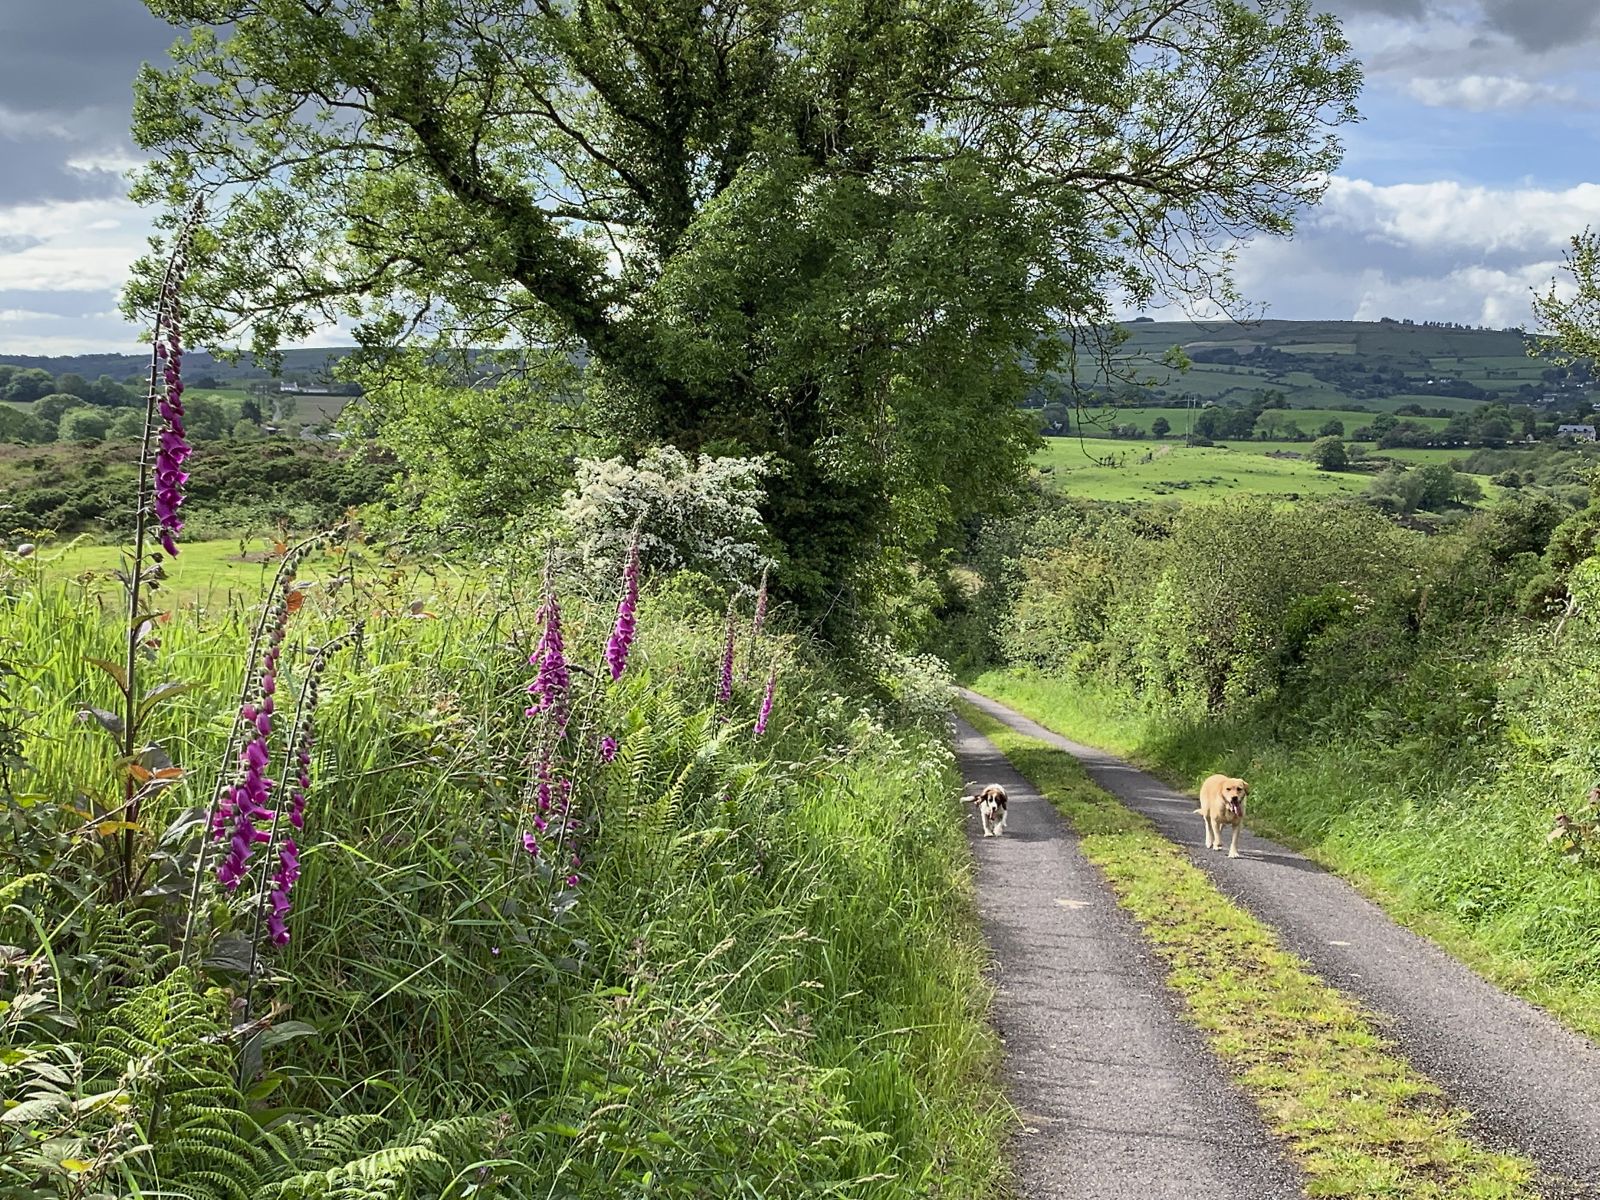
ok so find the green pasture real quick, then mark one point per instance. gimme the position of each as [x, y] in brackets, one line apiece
[1098, 420]
[229, 572]
[1113, 469]
[1121, 470]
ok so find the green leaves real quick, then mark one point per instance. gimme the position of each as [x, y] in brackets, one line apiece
[844, 235]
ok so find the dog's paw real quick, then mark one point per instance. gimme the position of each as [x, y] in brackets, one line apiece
[1233, 854]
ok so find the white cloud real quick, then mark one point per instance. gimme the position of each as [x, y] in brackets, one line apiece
[1435, 251]
[72, 246]
[111, 162]
[1485, 93]
[1450, 217]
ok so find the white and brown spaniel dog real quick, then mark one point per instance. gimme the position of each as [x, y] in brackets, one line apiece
[991, 802]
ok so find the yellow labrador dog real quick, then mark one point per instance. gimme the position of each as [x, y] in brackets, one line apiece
[1222, 803]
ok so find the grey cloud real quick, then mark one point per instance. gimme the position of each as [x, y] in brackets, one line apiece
[1412, 10]
[70, 305]
[67, 56]
[66, 76]
[1541, 25]
[33, 167]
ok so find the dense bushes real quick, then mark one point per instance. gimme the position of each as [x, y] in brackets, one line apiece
[234, 486]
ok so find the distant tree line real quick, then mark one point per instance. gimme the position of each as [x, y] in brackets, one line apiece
[37, 408]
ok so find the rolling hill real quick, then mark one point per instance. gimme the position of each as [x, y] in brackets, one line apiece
[1370, 367]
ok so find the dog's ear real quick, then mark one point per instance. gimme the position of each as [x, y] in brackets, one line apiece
[1244, 788]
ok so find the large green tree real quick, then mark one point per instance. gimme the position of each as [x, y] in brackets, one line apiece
[840, 232]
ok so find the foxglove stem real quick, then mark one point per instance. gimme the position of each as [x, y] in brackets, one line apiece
[757, 622]
[221, 792]
[551, 689]
[725, 678]
[622, 632]
[166, 323]
[766, 701]
[300, 745]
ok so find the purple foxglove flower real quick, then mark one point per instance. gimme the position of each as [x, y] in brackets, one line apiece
[608, 748]
[756, 623]
[530, 843]
[282, 883]
[300, 751]
[622, 632]
[172, 445]
[552, 683]
[760, 617]
[766, 701]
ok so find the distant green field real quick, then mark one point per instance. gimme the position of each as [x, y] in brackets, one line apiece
[303, 408]
[1417, 457]
[1492, 360]
[1453, 403]
[1122, 470]
[1309, 420]
[1114, 470]
[232, 572]
[206, 573]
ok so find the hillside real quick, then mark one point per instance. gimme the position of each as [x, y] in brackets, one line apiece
[311, 364]
[1317, 364]
[1349, 365]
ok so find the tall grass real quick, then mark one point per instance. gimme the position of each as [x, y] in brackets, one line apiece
[770, 982]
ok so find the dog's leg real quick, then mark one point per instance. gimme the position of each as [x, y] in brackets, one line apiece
[1206, 821]
[983, 817]
[1216, 833]
[1001, 828]
[1233, 846]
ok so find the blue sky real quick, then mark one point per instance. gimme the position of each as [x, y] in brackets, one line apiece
[1478, 157]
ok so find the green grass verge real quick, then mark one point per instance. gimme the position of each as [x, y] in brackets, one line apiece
[771, 984]
[1360, 1122]
[1414, 846]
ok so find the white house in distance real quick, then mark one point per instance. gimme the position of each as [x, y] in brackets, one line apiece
[1578, 433]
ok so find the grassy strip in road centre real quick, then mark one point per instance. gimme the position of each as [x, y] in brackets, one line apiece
[1360, 1122]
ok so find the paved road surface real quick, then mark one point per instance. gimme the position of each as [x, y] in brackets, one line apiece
[1531, 1084]
[1119, 1098]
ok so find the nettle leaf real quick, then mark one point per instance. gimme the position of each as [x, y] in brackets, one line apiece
[231, 953]
[118, 673]
[109, 721]
[155, 760]
[39, 1108]
[164, 691]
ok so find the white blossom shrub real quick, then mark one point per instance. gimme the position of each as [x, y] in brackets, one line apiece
[699, 515]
